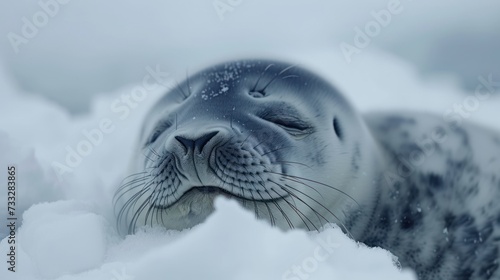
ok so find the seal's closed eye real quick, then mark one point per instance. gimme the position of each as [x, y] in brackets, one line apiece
[158, 130]
[290, 124]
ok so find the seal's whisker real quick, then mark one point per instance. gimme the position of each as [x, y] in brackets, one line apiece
[154, 152]
[288, 176]
[147, 157]
[179, 89]
[289, 222]
[243, 142]
[261, 74]
[149, 212]
[290, 76]
[130, 203]
[130, 186]
[137, 214]
[292, 162]
[158, 213]
[132, 181]
[271, 216]
[243, 194]
[141, 208]
[242, 190]
[124, 211]
[133, 175]
[125, 204]
[277, 149]
[188, 83]
[140, 175]
[278, 75]
[286, 187]
[256, 209]
[318, 215]
[301, 200]
[162, 221]
[284, 176]
[156, 210]
[324, 207]
[301, 214]
[297, 211]
[151, 152]
[261, 142]
[132, 200]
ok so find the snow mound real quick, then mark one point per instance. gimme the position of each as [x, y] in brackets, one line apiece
[68, 240]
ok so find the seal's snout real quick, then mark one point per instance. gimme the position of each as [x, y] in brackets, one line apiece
[197, 144]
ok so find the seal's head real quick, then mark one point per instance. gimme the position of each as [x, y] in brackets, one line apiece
[275, 137]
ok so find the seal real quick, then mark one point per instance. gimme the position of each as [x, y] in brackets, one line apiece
[288, 146]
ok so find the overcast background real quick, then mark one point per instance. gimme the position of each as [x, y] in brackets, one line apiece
[91, 47]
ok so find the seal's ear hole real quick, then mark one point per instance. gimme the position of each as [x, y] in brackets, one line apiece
[337, 128]
[257, 93]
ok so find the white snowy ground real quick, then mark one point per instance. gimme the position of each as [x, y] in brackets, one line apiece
[67, 222]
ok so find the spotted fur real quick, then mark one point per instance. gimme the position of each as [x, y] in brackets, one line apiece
[440, 214]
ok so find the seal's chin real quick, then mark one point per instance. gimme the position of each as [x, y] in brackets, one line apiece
[210, 190]
[193, 207]
[195, 192]
[213, 191]
[204, 196]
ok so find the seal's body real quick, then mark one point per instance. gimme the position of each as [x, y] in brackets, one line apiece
[290, 148]
[439, 209]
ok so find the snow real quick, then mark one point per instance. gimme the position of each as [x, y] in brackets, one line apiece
[69, 238]
[66, 240]
[65, 227]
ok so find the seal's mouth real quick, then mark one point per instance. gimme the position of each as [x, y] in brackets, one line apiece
[209, 190]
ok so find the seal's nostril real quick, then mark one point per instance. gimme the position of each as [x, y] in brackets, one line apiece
[187, 143]
[198, 143]
[202, 141]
